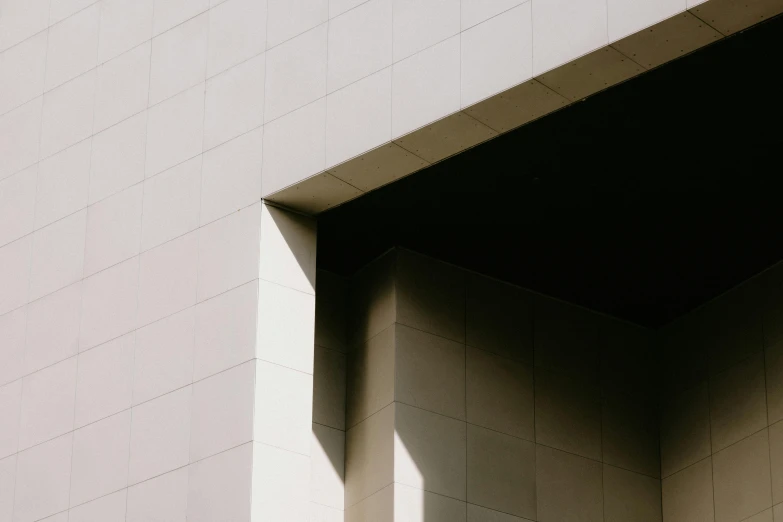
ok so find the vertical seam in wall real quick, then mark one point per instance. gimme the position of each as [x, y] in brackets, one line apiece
[599, 354]
[712, 467]
[326, 93]
[766, 407]
[533, 314]
[391, 80]
[465, 360]
[30, 274]
[266, 91]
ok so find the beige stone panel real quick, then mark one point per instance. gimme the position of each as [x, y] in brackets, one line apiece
[741, 474]
[415, 505]
[482, 514]
[629, 430]
[331, 327]
[683, 359]
[629, 496]
[685, 430]
[499, 394]
[429, 372]
[377, 508]
[687, 496]
[568, 414]
[568, 487]
[373, 299]
[774, 380]
[734, 329]
[501, 472]
[431, 296]
[499, 318]
[371, 377]
[764, 516]
[369, 456]
[567, 338]
[738, 404]
[776, 460]
[329, 388]
[630, 360]
[429, 451]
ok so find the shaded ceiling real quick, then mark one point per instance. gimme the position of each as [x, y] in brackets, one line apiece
[642, 201]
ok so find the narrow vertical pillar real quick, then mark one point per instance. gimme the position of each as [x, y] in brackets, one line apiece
[284, 367]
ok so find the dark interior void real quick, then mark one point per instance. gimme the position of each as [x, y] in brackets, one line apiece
[642, 202]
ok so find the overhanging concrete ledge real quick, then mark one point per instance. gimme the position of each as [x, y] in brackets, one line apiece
[525, 102]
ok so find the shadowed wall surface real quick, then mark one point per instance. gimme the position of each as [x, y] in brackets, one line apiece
[472, 399]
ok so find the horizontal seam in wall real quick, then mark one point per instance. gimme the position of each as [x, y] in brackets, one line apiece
[130, 408]
[139, 255]
[329, 349]
[711, 455]
[390, 484]
[129, 486]
[330, 427]
[507, 435]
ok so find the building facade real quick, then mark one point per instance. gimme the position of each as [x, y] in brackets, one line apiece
[170, 352]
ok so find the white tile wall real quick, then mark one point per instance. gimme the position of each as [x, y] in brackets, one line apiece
[146, 53]
[17, 205]
[171, 204]
[124, 25]
[63, 181]
[123, 87]
[295, 72]
[231, 176]
[47, 403]
[127, 124]
[234, 102]
[179, 59]
[175, 130]
[104, 381]
[100, 458]
[12, 331]
[118, 155]
[358, 117]
[419, 24]
[222, 411]
[22, 70]
[72, 46]
[425, 87]
[52, 328]
[167, 278]
[163, 360]
[289, 18]
[113, 230]
[67, 114]
[360, 43]
[20, 130]
[160, 435]
[237, 32]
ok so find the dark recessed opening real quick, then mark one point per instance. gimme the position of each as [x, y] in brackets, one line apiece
[643, 201]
